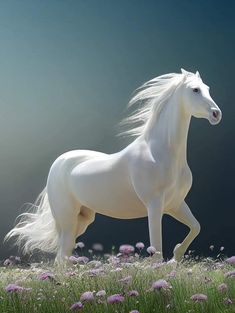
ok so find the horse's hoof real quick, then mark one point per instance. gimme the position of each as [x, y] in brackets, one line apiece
[178, 255]
[172, 262]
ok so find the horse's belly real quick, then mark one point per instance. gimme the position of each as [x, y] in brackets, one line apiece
[105, 189]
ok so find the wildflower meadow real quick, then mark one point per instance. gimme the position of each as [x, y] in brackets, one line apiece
[133, 280]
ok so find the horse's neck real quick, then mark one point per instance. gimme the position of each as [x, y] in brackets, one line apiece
[167, 134]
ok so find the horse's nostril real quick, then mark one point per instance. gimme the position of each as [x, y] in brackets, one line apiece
[215, 114]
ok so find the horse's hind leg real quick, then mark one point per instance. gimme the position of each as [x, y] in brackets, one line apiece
[67, 237]
[65, 214]
[74, 224]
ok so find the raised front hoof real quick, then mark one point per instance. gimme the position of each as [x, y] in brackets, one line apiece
[178, 253]
[172, 262]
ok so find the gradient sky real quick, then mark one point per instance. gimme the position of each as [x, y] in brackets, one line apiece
[68, 69]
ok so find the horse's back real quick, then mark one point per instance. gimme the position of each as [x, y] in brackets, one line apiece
[64, 164]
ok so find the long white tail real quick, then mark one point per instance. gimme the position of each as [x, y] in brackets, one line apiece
[36, 228]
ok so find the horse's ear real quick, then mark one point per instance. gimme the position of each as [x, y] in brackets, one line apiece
[197, 74]
[184, 71]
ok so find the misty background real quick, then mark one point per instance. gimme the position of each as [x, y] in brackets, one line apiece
[67, 72]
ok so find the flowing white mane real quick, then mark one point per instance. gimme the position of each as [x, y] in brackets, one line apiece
[151, 97]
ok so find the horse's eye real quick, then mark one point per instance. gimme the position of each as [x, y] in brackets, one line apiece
[196, 89]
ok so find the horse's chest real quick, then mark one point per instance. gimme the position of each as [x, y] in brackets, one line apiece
[178, 187]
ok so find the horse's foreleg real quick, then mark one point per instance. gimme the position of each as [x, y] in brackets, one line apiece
[154, 208]
[184, 215]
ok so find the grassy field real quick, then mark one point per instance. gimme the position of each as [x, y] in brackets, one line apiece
[124, 283]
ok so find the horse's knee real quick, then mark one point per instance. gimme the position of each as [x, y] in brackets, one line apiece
[196, 228]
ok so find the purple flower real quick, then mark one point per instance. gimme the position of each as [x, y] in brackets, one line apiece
[80, 245]
[199, 297]
[97, 247]
[73, 259]
[231, 260]
[157, 264]
[172, 274]
[222, 287]
[15, 288]
[82, 259]
[228, 301]
[151, 250]
[87, 296]
[126, 249]
[161, 284]
[140, 245]
[47, 276]
[76, 306]
[230, 274]
[8, 262]
[95, 272]
[78, 260]
[116, 298]
[12, 260]
[101, 293]
[126, 280]
[133, 293]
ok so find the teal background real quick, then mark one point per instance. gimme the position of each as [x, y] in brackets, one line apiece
[67, 71]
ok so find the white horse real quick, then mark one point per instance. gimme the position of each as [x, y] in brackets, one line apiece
[150, 177]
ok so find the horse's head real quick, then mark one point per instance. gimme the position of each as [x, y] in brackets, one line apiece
[197, 100]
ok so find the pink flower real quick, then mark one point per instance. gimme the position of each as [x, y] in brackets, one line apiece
[140, 245]
[151, 250]
[161, 284]
[95, 272]
[76, 306]
[116, 298]
[230, 274]
[228, 301]
[172, 274]
[156, 265]
[133, 293]
[80, 245]
[12, 261]
[8, 262]
[97, 247]
[231, 260]
[87, 296]
[15, 288]
[126, 280]
[78, 260]
[73, 259]
[47, 276]
[82, 259]
[222, 287]
[126, 249]
[199, 297]
[101, 293]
